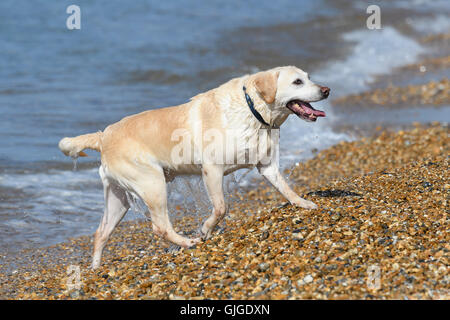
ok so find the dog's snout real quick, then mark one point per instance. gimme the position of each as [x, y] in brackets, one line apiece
[325, 91]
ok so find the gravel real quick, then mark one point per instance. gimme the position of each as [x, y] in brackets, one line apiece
[385, 237]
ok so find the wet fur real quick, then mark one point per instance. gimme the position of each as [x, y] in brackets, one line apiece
[136, 151]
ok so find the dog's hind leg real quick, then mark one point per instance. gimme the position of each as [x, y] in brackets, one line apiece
[116, 205]
[213, 179]
[151, 187]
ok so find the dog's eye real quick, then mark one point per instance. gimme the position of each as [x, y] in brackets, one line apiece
[298, 82]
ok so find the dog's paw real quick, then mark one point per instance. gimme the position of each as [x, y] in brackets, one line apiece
[192, 242]
[205, 235]
[306, 204]
[205, 232]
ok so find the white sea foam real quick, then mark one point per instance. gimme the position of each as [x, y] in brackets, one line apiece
[375, 52]
[64, 190]
[437, 24]
[51, 206]
[422, 5]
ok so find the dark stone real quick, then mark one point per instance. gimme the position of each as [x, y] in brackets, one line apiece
[333, 193]
[264, 235]
[427, 184]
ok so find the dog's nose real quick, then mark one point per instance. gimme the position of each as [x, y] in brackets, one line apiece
[325, 91]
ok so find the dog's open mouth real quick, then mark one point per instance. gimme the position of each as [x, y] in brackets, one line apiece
[304, 110]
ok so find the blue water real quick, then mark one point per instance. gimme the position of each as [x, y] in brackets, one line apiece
[131, 56]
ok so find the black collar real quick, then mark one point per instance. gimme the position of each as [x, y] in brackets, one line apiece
[252, 108]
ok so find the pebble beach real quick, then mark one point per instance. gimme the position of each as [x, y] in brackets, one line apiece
[381, 232]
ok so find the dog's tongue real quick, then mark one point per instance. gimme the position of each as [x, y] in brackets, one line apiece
[304, 108]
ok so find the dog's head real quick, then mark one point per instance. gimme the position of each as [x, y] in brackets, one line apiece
[289, 89]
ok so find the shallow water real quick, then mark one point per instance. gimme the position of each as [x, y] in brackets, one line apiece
[143, 55]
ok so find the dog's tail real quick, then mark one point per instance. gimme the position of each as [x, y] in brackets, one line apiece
[74, 146]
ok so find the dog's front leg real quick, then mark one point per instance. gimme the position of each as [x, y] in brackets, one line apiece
[273, 175]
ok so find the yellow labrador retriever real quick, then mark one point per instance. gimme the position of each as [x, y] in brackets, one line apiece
[143, 151]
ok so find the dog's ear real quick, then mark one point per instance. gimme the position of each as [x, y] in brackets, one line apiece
[266, 84]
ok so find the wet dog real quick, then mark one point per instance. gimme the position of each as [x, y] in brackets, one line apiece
[142, 152]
